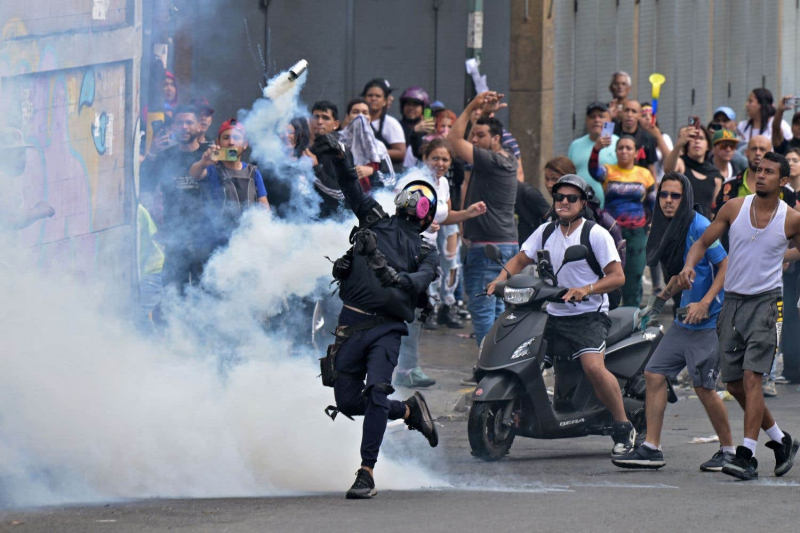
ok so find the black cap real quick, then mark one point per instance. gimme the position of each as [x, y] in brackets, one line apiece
[596, 105]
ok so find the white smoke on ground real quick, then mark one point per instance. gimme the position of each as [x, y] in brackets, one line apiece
[93, 411]
[215, 405]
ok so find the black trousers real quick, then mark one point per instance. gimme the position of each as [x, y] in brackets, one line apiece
[371, 354]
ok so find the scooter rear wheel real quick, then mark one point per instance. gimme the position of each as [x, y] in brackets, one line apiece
[489, 438]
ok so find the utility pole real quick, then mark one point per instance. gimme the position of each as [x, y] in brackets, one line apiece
[474, 44]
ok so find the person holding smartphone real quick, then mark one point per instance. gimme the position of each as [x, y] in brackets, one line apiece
[600, 135]
[779, 141]
[689, 158]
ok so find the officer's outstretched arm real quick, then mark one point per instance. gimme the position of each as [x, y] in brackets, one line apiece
[359, 202]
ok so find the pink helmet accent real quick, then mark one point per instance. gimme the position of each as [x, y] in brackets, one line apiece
[423, 206]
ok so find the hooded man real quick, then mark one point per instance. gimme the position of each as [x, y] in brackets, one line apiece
[692, 340]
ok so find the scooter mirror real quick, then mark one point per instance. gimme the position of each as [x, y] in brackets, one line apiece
[493, 252]
[574, 253]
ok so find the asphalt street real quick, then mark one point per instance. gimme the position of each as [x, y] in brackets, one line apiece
[555, 485]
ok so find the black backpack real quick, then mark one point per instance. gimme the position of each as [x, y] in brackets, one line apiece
[232, 204]
[615, 296]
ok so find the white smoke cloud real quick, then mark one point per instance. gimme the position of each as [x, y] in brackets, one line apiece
[215, 405]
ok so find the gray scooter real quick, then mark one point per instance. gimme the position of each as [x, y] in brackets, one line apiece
[511, 398]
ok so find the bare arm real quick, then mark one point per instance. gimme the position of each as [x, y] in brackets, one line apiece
[456, 217]
[698, 311]
[777, 133]
[672, 159]
[198, 170]
[397, 151]
[456, 139]
[614, 278]
[514, 266]
[714, 232]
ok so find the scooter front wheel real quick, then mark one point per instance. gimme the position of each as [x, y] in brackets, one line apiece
[489, 438]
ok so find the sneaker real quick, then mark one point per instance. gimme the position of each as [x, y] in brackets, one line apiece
[431, 324]
[641, 457]
[414, 378]
[624, 438]
[768, 388]
[448, 317]
[780, 380]
[716, 463]
[420, 418]
[744, 466]
[461, 310]
[363, 488]
[785, 450]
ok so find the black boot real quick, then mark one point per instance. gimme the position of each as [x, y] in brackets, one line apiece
[447, 317]
[363, 488]
[420, 418]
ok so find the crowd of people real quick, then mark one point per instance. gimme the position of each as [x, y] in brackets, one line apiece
[652, 196]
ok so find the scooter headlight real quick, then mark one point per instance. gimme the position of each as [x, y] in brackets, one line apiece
[517, 296]
[522, 350]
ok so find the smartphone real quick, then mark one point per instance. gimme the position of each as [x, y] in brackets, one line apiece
[157, 126]
[694, 121]
[608, 129]
[790, 103]
[683, 312]
[542, 255]
[428, 113]
[225, 154]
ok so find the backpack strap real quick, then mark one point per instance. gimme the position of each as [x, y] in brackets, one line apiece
[551, 227]
[587, 242]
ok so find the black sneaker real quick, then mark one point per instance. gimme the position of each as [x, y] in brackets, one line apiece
[744, 466]
[624, 439]
[641, 457]
[363, 488]
[785, 450]
[431, 323]
[716, 463]
[420, 418]
[448, 317]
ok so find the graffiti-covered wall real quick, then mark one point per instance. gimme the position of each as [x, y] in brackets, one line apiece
[68, 83]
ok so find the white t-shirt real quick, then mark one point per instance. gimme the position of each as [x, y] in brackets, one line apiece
[747, 134]
[392, 130]
[578, 274]
[442, 197]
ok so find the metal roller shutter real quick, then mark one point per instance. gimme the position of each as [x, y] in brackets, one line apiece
[566, 107]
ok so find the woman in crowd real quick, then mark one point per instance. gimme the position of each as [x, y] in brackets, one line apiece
[690, 159]
[370, 156]
[386, 128]
[437, 157]
[630, 198]
[760, 110]
[355, 107]
[280, 182]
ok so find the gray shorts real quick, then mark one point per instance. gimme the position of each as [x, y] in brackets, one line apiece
[696, 349]
[749, 333]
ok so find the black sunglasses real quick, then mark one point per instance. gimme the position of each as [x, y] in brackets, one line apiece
[571, 198]
[673, 195]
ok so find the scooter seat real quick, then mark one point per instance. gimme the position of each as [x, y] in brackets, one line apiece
[621, 324]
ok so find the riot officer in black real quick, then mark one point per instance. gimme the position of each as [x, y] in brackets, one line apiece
[382, 280]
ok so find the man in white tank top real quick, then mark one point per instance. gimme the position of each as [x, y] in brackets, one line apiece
[759, 230]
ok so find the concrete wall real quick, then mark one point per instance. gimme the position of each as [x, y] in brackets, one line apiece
[346, 42]
[69, 80]
[712, 52]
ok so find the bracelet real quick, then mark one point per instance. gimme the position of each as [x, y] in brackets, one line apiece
[591, 288]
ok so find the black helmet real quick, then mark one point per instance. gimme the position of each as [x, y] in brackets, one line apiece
[577, 182]
[416, 200]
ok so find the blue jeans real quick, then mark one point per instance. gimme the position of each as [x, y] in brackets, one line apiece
[409, 347]
[479, 271]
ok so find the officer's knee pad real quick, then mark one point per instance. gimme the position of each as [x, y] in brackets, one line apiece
[379, 394]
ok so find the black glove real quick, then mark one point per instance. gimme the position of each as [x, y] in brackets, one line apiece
[402, 281]
[341, 267]
[328, 144]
